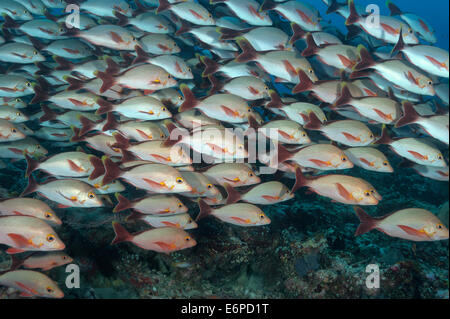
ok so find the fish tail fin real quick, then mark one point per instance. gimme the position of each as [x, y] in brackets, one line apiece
[211, 66]
[31, 187]
[300, 180]
[366, 60]
[205, 210]
[105, 106]
[409, 115]
[311, 46]
[313, 122]
[305, 83]
[121, 141]
[9, 23]
[134, 216]
[112, 170]
[127, 156]
[233, 195]
[121, 234]
[268, 5]
[32, 165]
[107, 79]
[141, 57]
[367, 223]
[111, 123]
[297, 33]
[333, 7]
[39, 95]
[163, 6]
[283, 154]
[98, 170]
[189, 98]
[123, 20]
[395, 11]
[63, 64]
[123, 203]
[171, 141]
[216, 84]
[275, 100]
[384, 138]
[400, 45]
[229, 34]
[345, 97]
[354, 16]
[248, 52]
[252, 122]
[16, 262]
[74, 84]
[86, 125]
[184, 28]
[49, 114]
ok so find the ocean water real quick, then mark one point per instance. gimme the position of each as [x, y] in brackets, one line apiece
[309, 250]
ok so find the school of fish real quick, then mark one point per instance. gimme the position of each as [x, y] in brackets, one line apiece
[110, 92]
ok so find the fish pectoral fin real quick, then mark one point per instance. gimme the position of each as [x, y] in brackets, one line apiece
[412, 231]
[344, 192]
[165, 246]
[12, 251]
[19, 240]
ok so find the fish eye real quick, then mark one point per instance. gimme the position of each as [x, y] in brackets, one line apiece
[14, 130]
[28, 84]
[50, 238]
[430, 82]
[311, 71]
[187, 238]
[189, 69]
[249, 110]
[209, 186]
[180, 180]
[440, 226]
[50, 290]
[266, 88]
[190, 221]
[344, 159]
[48, 215]
[385, 163]
[169, 76]
[372, 191]
[18, 113]
[35, 52]
[133, 38]
[180, 98]
[410, 31]
[251, 174]
[18, 100]
[303, 134]
[209, 15]
[367, 193]
[180, 205]
[64, 257]
[439, 157]
[163, 109]
[38, 147]
[61, 30]
[371, 136]
[162, 136]
[261, 216]
[91, 195]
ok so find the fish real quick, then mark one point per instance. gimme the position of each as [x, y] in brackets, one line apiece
[369, 158]
[413, 149]
[23, 206]
[415, 224]
[437, 126]
[65, 192]
[268, 193]
[9, 132]
[164, 239]
[235, 174]
[183, 221]
[31, 283]
[152, 205]
[340, 188]
[26, 233]
[44, 261]
[239, 214]
[347, 132]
